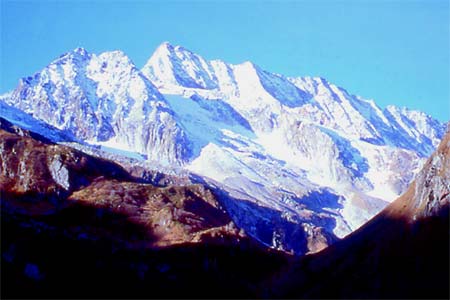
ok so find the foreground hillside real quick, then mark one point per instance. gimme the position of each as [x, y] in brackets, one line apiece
[78, 226]
[403, 252]
[75, 226]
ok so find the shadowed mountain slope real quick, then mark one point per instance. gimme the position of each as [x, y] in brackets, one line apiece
[403, 252]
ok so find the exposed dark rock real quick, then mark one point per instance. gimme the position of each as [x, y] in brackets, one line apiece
[403, 252]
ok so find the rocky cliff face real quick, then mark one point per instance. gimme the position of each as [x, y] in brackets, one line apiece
[429, 194]
[401, 253]
[103, 98]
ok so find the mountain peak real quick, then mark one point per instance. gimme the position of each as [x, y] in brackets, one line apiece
[78, 54]
[249, 64]
[164, 47]
[321, 79]
[176, 65]
[173, 51]
[118, 53]
[165, 44]
[117, 56]
[80, 50]
[285, 139]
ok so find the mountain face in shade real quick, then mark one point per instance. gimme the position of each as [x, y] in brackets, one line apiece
[403, 252]
[300, 161]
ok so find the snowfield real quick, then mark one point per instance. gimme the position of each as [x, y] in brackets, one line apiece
[297, 159]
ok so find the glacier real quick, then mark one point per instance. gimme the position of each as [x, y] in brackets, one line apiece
[299, 162]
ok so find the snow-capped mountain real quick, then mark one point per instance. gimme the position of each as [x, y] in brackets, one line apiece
[102, 99]
[335, 139]
[299, 161]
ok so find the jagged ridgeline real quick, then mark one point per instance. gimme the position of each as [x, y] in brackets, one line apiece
[299, 162]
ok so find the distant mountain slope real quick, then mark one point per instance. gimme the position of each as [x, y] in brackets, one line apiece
[27, 122]
[291, 152]
[403, 252]
[249, 89]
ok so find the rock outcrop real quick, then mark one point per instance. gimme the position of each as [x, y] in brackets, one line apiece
[41, 178]
[74, 225]
[403, 252]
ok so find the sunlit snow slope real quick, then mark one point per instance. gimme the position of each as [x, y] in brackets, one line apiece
[299, 161]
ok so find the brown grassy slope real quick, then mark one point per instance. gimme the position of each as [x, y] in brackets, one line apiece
[40, 178]
[87, 229]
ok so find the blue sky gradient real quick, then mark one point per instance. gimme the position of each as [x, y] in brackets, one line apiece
[395, 52]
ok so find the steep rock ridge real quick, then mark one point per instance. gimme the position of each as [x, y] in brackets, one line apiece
[103, 99]
[429, 193]
[401, 253]
[39, 175]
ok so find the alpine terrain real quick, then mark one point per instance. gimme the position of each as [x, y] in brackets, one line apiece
[403, 252]
[293, 163]
[77, 226]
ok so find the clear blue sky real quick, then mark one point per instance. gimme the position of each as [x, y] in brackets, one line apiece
[395, 52]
